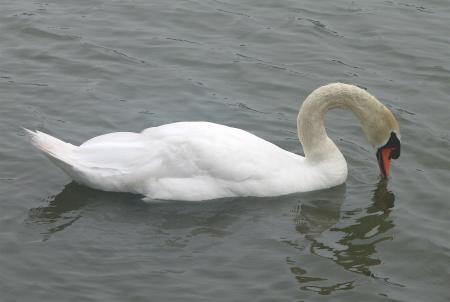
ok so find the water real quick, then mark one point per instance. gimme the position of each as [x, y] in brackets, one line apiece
[77, 69]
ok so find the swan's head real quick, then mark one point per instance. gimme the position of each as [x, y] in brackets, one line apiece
[383, 132]
[390, 150]
[378, 123]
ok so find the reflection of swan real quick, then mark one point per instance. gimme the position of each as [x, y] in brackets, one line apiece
[349, 241]
[199, 160]
[358, 238]
[383, 199]
[63, 209]
[75, 202]
[319, 211]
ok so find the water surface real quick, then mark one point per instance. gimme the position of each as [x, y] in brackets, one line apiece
[77, 69]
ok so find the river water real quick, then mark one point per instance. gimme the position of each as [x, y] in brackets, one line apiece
[77, 69]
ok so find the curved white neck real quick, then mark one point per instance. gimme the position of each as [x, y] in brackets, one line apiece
[310, 122]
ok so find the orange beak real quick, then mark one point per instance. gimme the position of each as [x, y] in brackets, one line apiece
[384, 156]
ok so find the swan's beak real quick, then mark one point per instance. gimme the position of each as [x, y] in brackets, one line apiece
[384, 155]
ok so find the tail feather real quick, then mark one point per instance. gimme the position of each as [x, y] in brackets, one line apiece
[61, 153]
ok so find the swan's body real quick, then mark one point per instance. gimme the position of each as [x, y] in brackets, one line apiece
[201, 160]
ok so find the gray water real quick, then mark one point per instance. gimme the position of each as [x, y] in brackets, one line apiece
[77, 69]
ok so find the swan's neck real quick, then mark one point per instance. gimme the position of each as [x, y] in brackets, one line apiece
[310, 122]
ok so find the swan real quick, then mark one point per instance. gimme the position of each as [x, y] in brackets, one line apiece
[196, 161]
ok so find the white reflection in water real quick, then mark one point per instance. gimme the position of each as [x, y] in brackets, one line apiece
[348, 238]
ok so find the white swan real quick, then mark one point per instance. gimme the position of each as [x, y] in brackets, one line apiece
[201, 160]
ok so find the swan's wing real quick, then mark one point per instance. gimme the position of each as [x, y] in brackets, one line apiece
[180, 158]
[204, 161]
[186, 149]
[120, 151]
[191, 149]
